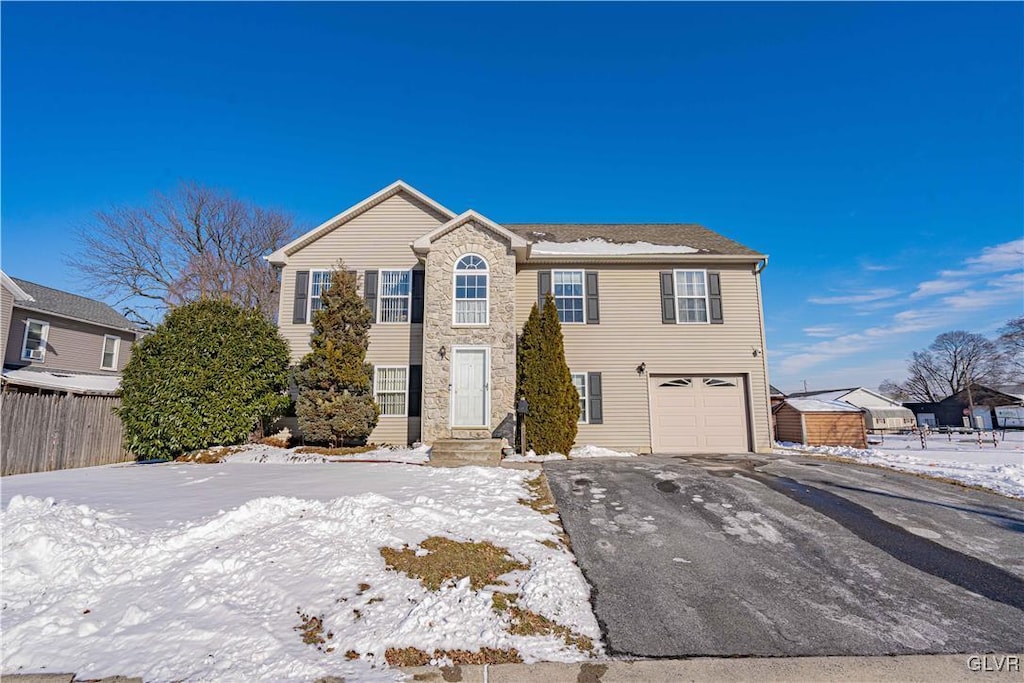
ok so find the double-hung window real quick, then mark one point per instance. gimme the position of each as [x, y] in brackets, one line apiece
[395, 294]
[569, 295]
[108, 361]
[579, 379]
[319, 281]
[391, 389]
[691, 296]
[33, 346]
[471, 280]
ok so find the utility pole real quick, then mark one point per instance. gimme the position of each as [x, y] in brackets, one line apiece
[970, 407]
[805, 386]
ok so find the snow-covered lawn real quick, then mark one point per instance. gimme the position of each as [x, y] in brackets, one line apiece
[956, 456]
[197, 572]
[587, 451]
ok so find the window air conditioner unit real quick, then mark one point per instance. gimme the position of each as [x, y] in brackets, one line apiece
[35, 354]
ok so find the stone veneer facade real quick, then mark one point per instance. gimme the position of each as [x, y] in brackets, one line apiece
[438, 331]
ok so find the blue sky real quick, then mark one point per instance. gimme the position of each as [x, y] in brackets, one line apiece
[873, 150]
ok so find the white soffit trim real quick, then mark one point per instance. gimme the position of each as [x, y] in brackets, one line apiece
[518, 244]
[280, 256]
[12, 287]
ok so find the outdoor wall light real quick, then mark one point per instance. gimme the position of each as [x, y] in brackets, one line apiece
[442, 352]
[641, 369]
[757, 351]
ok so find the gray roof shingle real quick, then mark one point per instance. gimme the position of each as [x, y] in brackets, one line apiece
[674, 234]
[50, 300]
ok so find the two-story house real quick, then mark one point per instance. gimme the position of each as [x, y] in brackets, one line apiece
[663, 324]
[55, 341]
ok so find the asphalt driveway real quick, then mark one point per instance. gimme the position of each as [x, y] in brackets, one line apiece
[769, 555]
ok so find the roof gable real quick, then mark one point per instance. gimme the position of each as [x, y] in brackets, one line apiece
[280, 256]
[518, 244]
[11, 286]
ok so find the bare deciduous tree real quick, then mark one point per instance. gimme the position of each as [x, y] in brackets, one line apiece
[951, 362]
[195, 242]
[1011, 342]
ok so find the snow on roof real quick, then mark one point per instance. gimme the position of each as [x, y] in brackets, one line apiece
[598, 246]
[813, 405]
[63, 381]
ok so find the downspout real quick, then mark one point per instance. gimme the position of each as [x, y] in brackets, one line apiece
[758, 269]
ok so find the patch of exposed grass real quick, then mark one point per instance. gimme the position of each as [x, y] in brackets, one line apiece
[527, 623]
[312, 630]
[411, 656]
[550, 544]
[346, 450]
[447, 559]
[209, 456]
[363, 587]
[540, 495]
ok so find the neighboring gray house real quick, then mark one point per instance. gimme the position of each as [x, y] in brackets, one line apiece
[881, 413]
[55, 341]
[663, 324]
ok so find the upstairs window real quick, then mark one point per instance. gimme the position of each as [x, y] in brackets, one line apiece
[33, 346]
[691, 296]
[394, 297]
[567, 287]
[108, 361]
[471, 295]
[319, 281]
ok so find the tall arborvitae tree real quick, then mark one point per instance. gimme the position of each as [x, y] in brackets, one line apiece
[335, 382]
[544, 379]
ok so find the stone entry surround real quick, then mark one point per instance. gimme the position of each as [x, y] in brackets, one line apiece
[440, 332]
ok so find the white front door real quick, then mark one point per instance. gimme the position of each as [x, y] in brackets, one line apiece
[470, 387]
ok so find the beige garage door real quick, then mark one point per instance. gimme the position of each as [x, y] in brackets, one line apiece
[698, 414]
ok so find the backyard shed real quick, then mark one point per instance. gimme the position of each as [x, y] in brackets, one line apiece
[815, 422]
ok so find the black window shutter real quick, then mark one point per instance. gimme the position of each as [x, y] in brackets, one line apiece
[301, 292]
[416, 315]
[595, 402]
[593, 306]
[715, 299]
[370, 292]
[668, 297]
[543, 287]
[415, 390]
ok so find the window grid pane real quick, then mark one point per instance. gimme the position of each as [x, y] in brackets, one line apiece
[471, 312]
[470, 299]
[319, 281]
[580, 381]
[567, 289]
[395, 291]
[391, 391]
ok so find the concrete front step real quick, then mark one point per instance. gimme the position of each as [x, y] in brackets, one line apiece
[466, 452]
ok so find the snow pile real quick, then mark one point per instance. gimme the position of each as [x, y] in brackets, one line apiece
[596, 246]
[64, 381]
[259, 453]
[142, 585]
[1000, 469]
[586, 451]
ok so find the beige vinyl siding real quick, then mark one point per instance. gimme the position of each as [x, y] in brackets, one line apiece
[6, 308]
[631, 333]
[70, 345]
[378, 239]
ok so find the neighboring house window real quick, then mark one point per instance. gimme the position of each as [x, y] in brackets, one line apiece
[319, 281]
[567, 288]
[471, 290]
[391, 388]
[33, 347]
[691, 296]
[580, 380]
[110, 347]
[395, 293]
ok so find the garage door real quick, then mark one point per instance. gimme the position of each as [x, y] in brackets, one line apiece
[698, 414]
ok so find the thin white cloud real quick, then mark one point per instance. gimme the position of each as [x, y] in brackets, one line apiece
[995, 259]
[876, 267]
[866, 297]
[822, 331]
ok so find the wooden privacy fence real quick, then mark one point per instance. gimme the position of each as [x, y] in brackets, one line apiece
[39, 433]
